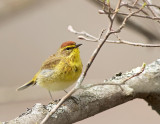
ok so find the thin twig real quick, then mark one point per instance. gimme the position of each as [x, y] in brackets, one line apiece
[135, 2]
[135, 15]
[70, 28]
[125, 19]
[154, 10]
[153, 5]
[101, 34]
[133, 7]
[133, 44]
[59, 104]
[151, 10]
[117, 9]
[142, 69]
[88, 38]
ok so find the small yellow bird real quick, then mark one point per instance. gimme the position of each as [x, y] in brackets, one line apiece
[60, 70]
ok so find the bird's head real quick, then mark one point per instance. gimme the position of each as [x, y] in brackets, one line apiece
[69, 47]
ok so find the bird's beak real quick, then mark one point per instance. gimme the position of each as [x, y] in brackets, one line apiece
[78, 45]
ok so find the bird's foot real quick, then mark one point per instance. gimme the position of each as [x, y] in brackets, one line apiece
[75, 99]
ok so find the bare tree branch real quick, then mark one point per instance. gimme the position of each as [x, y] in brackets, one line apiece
[88, 37]
[99, 98]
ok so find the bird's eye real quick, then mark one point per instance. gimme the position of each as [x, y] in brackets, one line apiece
[68, 48]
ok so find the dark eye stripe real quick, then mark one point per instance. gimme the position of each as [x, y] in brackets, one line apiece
[68, 48]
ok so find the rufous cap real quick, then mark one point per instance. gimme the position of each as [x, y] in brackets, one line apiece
[67, 43]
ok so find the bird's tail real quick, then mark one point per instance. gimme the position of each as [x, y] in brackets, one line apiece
[26, 85]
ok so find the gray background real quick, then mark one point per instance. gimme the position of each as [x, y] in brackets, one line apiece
[29, 36]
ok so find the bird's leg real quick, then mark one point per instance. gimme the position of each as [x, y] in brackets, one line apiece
[50, 95]
[65, 91]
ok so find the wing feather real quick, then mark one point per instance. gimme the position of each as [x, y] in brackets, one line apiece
[51, 62]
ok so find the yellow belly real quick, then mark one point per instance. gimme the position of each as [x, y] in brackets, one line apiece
[56, 86]
[61, 78]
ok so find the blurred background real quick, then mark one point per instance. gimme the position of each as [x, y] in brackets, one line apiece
[32, 30]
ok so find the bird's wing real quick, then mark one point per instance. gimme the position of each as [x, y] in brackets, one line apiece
[48, 67]
[51, 62]
[45, 73]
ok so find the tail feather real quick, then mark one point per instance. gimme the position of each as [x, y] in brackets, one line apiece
[26, 85]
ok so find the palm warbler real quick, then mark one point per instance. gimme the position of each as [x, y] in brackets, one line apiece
[60, 70]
